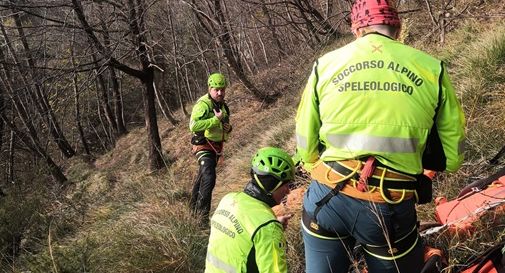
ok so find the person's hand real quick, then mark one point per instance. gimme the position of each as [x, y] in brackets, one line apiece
[218, 113]
[227, 127]
[284, 219]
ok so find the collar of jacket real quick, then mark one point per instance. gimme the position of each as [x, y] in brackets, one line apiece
[255, 192]
[375, 32]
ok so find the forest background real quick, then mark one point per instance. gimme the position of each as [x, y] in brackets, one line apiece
[95, 163]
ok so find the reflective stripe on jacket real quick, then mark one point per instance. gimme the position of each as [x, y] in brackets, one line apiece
[245, 237]
[203, 119]
[377, 96]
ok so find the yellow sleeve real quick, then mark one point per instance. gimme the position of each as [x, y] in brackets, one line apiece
[451, 125]
[270, 249]
[308, 123]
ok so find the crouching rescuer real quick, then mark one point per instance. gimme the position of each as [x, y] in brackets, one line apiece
[373, 114]
[245, 234]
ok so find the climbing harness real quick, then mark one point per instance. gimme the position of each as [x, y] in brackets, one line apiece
[365, 181]
[383, 185]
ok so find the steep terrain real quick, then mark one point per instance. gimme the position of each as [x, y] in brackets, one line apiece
[117, 217]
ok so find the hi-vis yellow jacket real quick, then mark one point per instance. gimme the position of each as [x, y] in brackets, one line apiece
[203, 119]
[245, 237]
[377, 96]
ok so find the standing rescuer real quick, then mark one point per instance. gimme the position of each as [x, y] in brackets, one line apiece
[210, 124]
[245, 234]
[373, 114]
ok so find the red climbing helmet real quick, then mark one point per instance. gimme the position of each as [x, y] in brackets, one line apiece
[373, 12]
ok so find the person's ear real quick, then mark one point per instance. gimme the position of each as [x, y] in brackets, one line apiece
[359, 32]
[356, 33]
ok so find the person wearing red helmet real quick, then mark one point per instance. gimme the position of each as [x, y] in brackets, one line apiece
[373, 115]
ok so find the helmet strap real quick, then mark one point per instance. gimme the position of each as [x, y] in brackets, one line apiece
[279, 184]
[263, 187]
[259, 183]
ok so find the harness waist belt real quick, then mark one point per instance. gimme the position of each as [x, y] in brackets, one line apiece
[392, 179]
[395, 186]
[211, 146]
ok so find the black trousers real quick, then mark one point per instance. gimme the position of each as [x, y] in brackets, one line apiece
[201, 195]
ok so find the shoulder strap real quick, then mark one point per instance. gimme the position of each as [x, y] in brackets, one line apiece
[226, 109]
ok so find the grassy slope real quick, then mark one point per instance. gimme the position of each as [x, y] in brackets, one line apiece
[118, 218]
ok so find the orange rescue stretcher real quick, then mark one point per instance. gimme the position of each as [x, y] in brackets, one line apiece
[460, 213]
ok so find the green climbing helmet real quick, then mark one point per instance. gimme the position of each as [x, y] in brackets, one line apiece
[275, 162]
[217, 80]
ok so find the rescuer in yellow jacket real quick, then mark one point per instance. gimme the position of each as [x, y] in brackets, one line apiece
[245, 234]
[373, 114]
[210, 125]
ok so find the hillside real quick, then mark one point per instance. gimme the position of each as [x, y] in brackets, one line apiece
[116, 216]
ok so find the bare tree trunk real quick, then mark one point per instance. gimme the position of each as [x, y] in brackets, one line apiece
[190, 95]
[104, 99]
[312, 16]
[102, 142]
[76, 99]
[155, 151]
[219, 27]
[119, 124]
[179, 92]
[224, 39]
[78, 116]
[146, 75]
[197, 84]
[10, 169]
[137, 28]
[38, 94]
[2, 110]
[295, 27]
[176, 63]
[249, 45]
[198, 43]
[262, 44]
[272, 29]
[162, 104]
[118, 103]
[107, 128]
[31, 140]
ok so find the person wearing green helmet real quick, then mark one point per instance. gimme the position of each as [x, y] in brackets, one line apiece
[245, 234]
[210, 125]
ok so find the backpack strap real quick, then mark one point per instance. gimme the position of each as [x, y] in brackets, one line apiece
[226, 108]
